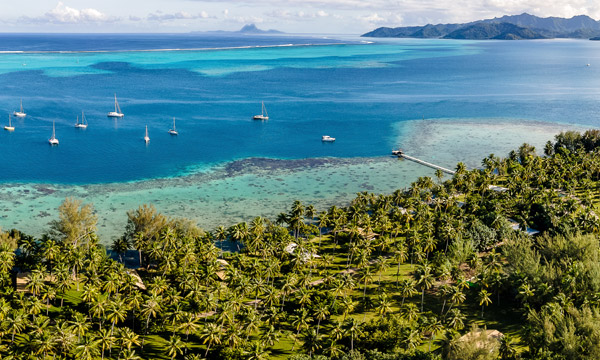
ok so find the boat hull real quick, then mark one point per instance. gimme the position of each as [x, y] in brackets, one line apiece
[81, 126]
[115, 114]
[9, 128]
[260, 117]
[53, 141]
[19, 114]
[173, 132]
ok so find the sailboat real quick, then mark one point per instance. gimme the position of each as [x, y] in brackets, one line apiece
[20, 113]
[9, 127]
[263, 113]
[83, 123]
[53, 140]
[173, 131]
[146, 138]
[117, 112]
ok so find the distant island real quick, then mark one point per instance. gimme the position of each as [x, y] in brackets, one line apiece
[247, 29]
[509, 27]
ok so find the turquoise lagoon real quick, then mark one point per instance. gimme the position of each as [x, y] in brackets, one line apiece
[444, 101]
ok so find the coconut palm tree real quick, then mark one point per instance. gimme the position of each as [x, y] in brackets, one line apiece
[484, 299]
[211, 334]
[175, 346]
[88, 348]
[425, 280]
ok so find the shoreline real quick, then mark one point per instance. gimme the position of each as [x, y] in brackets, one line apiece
[239, 190]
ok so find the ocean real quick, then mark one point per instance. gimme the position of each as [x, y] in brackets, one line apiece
[443, 100]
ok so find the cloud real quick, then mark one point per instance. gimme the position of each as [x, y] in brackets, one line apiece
[181, 15]
[376, 19]
[435, 10]
[297, 15]
[242, 19]
[63, 14]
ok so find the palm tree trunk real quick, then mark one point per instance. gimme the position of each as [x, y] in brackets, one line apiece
[443, 306]
[422, 298]
[207, 348]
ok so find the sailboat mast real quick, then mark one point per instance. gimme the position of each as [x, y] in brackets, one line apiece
[173, 123]
[53, 131]
[21, 105]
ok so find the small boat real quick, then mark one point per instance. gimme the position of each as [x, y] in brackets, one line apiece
[327, 138]
[53, 140]
[20, 113]
[83, 124]
[173, 131]
[398, 152]
[9, 127]
[263, 113]
[117, 112]
[146, 138]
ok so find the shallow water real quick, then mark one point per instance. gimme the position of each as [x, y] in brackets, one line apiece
[474, 98]
[240, 190]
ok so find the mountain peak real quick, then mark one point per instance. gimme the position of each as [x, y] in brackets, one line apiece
[249, 28]
[252, 29]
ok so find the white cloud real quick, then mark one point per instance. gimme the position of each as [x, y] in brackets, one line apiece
[181, 15]
[63, 14]
[297, 15]
[248, 19]
[436, 10]
[385, 19]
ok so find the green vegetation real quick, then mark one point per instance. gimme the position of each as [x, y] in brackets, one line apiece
[434, 272]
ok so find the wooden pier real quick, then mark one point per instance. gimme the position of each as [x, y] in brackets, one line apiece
[401, 154]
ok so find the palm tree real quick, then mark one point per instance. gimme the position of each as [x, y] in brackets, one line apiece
[211, 334]
[127, 338]
[175, 346]
[36, 282]
[484, 299]
[151, 308]
[88, 348]
[106, 339]
[256, 352]
[116, 312]
[407, 289]
[120, 246]
[189, 324]
[321, 313]
[354, 328]
[300, 322]
[455, 319]
[385, 305]
[16, 322]
[425, 280]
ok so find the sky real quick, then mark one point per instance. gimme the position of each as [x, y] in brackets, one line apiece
[293, 16]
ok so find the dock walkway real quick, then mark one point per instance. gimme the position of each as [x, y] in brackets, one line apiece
[419, 161]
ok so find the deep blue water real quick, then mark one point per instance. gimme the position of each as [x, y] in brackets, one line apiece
[354, 92]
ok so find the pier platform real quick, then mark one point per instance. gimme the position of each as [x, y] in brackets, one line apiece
[401, 154]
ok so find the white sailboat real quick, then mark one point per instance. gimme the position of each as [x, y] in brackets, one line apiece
[53, 140]
[117, 112]
[146, 138]
[327, 138]
[263, 113]
[83, 123]
[20, 113]
[9, 127]
[173, 131]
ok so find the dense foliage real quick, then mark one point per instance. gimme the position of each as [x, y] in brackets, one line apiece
[425, 273]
